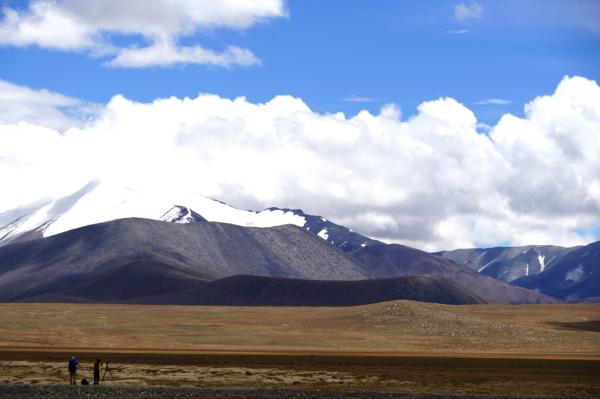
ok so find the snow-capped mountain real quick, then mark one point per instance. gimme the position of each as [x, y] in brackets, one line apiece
[570, 273]
[99, 202]
[151, 222]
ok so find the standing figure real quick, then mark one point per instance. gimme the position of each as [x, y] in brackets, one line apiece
[73, 370]
[97, 367]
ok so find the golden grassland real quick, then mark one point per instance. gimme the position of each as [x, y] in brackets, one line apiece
[401, 326]
[393, 346]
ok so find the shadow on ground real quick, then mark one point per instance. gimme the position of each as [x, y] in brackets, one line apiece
[591, 325]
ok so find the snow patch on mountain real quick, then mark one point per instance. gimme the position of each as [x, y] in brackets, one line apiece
[541, 259]
[323, 234]
[575, 275]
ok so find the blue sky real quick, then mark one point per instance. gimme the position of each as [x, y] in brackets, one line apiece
[327, 52]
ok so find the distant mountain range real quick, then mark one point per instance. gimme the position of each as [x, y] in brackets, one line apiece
[571, 274]
[507, 263]
[575, 276]
[49, 247]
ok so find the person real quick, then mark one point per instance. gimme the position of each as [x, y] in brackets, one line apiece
[97, 367]
[73, 370]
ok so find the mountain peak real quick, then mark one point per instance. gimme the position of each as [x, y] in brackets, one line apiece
[181, 214]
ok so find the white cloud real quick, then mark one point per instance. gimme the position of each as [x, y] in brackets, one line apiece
[86, 26]
[166, 53]
[45, 25]
[42, 107]
[464, 12]
[358, 99]
[430, 181]
[493, 101]
[457, 31]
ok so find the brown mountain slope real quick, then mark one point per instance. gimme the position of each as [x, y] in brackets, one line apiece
[208, 251]
[268, 291]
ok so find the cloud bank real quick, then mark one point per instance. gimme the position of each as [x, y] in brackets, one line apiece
[91, 25]
[431, 180]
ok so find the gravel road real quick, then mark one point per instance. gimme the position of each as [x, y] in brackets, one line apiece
[8, 391]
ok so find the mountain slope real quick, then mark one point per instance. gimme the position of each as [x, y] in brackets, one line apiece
[392, 260]
[208, 250]
[339, 236]
[268, 291]
[132, 280]
[246, 290]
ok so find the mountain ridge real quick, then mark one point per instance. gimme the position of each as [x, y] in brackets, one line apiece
[210, 251]
[97, 202]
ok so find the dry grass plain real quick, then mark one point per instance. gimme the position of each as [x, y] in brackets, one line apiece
[394, 346]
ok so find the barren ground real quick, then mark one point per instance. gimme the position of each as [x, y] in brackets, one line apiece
[397, 346]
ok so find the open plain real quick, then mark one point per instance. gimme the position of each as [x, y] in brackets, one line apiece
[391, 347]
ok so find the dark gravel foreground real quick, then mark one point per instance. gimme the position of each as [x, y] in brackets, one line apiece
[8, 391]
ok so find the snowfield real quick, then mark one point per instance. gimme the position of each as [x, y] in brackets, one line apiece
[99, 202]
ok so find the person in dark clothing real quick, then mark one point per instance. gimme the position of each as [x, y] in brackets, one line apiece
[73, 370]
[97, 367]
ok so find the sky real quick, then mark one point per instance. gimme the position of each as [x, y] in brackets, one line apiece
[437, 124]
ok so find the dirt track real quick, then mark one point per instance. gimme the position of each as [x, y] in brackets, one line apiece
[65, 391]
[346, 372]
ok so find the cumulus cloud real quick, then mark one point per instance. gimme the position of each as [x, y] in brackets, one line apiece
[430, 180]
[87, 26]
[464, 12]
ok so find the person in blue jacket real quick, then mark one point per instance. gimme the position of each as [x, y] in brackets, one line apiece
[73, 370]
